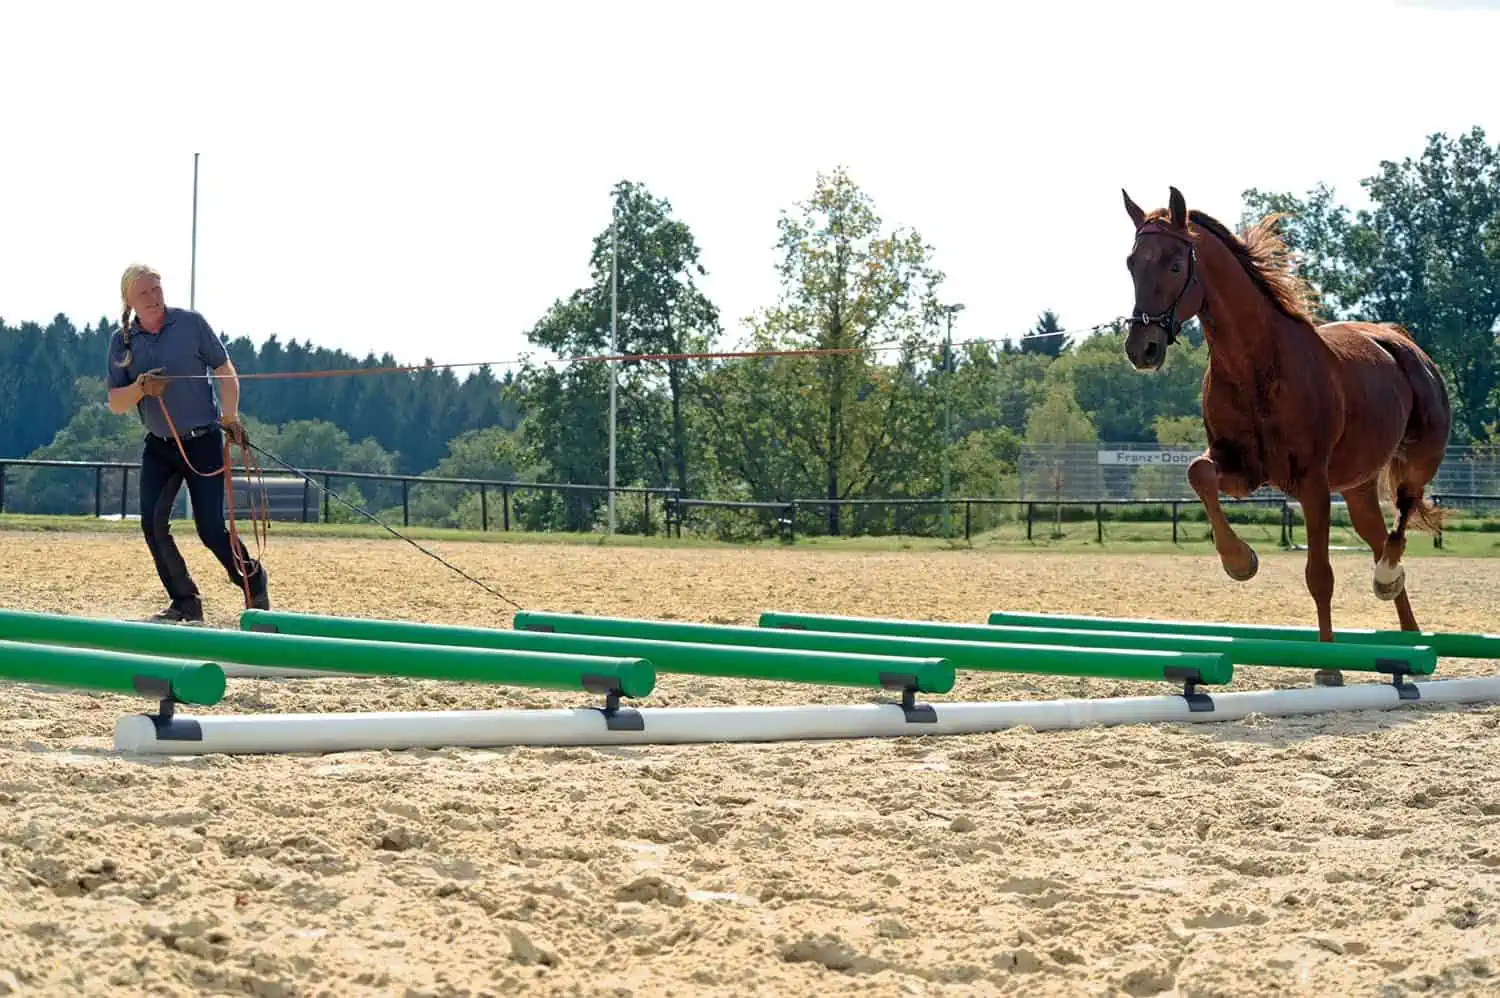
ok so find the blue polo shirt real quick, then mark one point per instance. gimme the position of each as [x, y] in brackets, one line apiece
[184, 346]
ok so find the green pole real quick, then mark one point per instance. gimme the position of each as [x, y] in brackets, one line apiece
[629, 675]
[1460, 645]
[928, 674]
[154, 676]
[1416, 660]
[1210, 666]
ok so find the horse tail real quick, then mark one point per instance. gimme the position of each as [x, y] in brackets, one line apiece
[1422, 513]
[1424, 444]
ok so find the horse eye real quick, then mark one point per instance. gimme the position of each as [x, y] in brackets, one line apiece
[1176, 267]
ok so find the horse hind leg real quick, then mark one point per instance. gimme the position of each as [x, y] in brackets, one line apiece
[1407, 481]
[1407, 474]
[1390, 576]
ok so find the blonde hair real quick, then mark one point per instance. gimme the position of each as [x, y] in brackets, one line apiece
[133, 273]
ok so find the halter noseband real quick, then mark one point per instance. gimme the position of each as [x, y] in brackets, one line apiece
[1167, 319]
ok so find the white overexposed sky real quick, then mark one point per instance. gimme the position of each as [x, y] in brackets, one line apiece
[426, 178]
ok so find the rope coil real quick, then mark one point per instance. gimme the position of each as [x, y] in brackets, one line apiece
[261, 525]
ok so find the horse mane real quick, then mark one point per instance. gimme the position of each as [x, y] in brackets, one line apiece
[1263, 254]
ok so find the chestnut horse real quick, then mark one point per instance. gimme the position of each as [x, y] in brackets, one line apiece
[1350, 407]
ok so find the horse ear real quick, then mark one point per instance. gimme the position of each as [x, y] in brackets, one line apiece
[1133, 210]
[1178, 208]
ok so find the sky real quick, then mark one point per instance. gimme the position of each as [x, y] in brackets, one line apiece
[427, 180]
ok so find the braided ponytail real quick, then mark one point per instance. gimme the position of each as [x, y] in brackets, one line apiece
[125, 338]
[133, 273]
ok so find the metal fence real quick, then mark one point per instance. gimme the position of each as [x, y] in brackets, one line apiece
[104, 488]
[1106, 471]
[1074, 484]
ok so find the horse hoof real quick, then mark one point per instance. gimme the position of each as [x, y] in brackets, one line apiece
[1389, 582]
[1248, 573]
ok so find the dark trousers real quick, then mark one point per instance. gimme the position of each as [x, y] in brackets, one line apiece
[162, 475]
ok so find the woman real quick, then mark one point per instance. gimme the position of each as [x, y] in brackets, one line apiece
[157, 364]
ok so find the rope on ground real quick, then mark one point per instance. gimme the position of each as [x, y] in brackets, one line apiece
[376, 520]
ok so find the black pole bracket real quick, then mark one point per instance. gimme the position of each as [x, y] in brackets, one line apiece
[916, 713]
[171, 728]
[1398, 669]
[1190, 678]
[616, 718]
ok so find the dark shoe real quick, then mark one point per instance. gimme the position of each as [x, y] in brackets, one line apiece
[182, 611]
[260, 597]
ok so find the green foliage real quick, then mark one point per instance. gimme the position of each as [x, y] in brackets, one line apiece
[1122, 402]
[1180, 431]
[1046, 337]
[858, 421]
[93, 434]
[491, 453]
[1059, 419]
[659, 311]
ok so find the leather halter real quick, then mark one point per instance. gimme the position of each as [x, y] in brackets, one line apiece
[1167, 319]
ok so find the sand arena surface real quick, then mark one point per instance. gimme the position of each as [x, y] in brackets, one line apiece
[1353, 854]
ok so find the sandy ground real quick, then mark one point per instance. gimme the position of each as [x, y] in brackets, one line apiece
[1354, 854]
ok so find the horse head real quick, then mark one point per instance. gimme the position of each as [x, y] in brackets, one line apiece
[1163, 263]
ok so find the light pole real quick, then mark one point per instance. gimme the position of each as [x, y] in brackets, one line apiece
[949, 310]
[614, 298]
[193, 266]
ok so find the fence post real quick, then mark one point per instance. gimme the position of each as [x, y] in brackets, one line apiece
[1030, 509]
[1099, 521]
[968, 511]
[98, 491]
[405, 503]
[505, 504]
[306, 498]
[124, 489]
[2, 488]
[326, 490]
[1176, 507]
[646, 527]
[484, 508]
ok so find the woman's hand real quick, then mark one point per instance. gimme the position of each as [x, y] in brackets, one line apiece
[235, 431]
[153, 382]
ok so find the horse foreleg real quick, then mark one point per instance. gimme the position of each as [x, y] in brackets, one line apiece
[1316, 504]
[1238, 558]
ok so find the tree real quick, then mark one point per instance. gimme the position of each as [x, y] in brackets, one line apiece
[661, 311]
[1059, 419]
[1053, 424]
[1120, 401]
[995, 386]
[847, 287]
[1426, 254]
[1046, 337]
[490, 454]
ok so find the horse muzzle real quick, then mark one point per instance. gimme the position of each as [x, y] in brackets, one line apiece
[1146, 346]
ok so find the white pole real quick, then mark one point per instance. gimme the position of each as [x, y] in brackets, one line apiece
[614, 298]
[263, 733]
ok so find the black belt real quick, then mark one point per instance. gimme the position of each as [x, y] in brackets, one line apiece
[192, 434]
